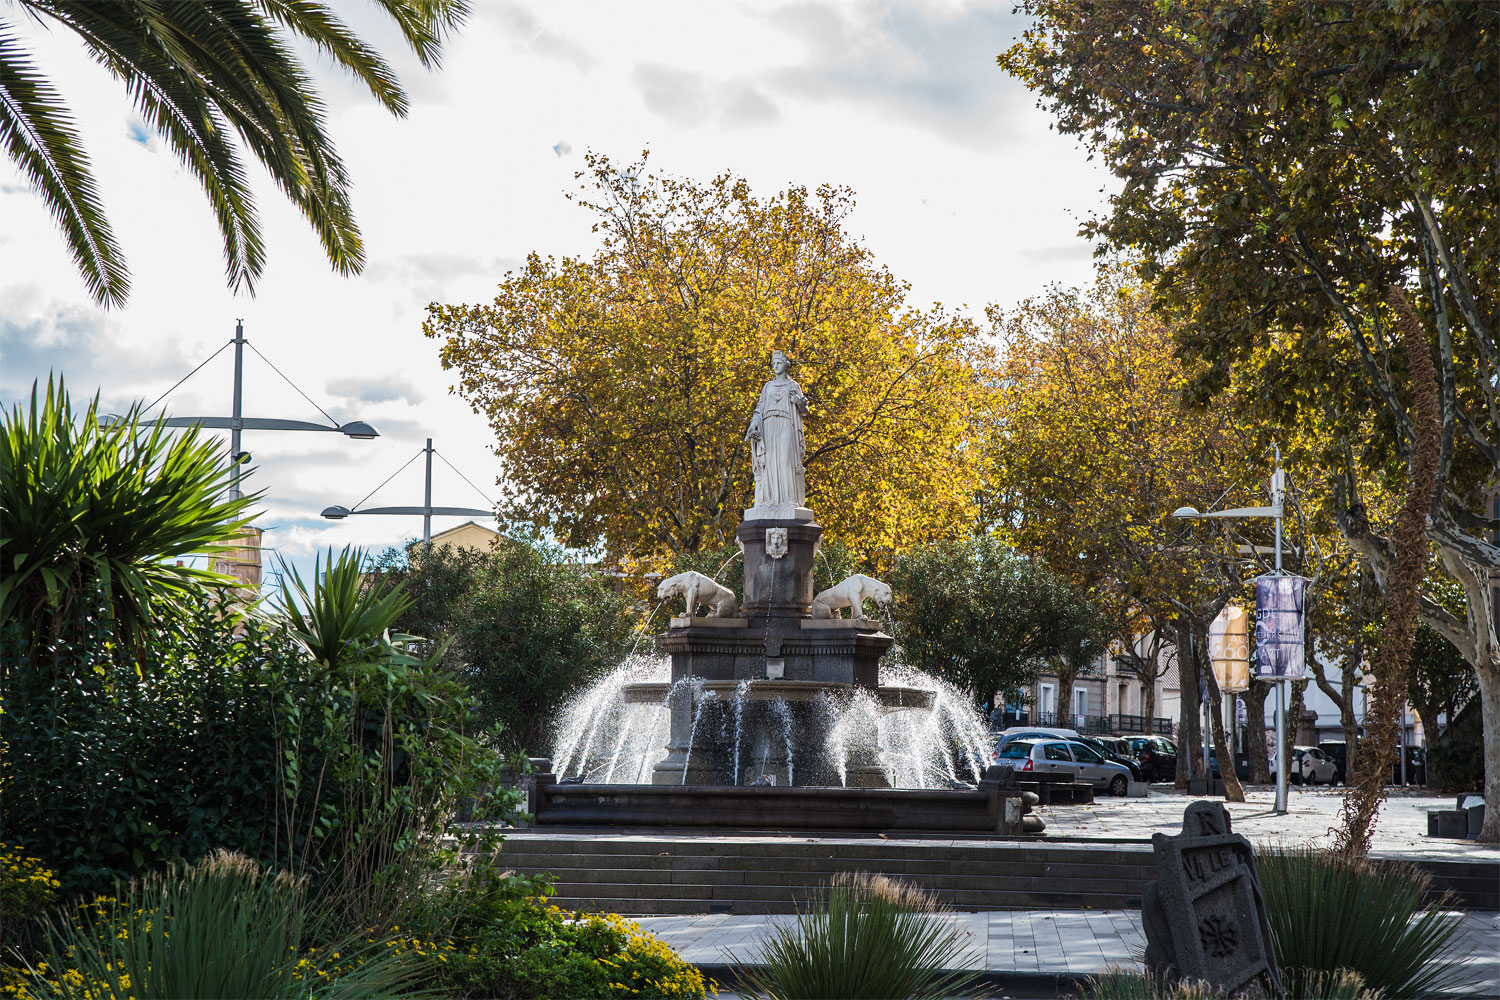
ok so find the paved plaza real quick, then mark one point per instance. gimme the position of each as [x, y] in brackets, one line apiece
[1024, 952]
[1043, 953]
[1312, 815]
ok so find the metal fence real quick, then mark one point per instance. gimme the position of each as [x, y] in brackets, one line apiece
[1101, 724]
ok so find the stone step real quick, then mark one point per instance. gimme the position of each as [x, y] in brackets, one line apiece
[646, 882]
[1011, 850]
[648, 866]
[795, 899]
[654, 874]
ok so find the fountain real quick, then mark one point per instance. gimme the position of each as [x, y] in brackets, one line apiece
[777, 688]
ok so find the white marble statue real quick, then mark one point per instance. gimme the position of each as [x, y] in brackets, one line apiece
[776, 444]
[698, 589]
[851, 593]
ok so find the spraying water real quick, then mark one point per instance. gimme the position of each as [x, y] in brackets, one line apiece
[617, 729]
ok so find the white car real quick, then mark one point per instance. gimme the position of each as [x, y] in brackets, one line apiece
[1309, 766]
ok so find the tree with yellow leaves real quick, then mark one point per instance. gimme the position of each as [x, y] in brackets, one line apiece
[1094, 446]
[620, 386]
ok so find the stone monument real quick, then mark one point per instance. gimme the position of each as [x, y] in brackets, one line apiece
[1204, 916]
[776, 650]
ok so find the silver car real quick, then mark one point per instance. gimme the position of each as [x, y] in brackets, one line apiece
[1085, 763]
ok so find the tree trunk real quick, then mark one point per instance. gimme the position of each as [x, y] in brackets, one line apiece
[1190, 736]
[1429, 716]
[1293, 710]
[1255, 732]
[1489, 706]
[1065, 679]
[1148, 706]
[1392, 660]
[1233, 790]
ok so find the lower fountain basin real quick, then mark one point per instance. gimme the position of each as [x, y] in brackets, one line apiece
[890, 697]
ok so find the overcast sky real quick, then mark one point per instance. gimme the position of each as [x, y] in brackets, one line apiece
[962, 191]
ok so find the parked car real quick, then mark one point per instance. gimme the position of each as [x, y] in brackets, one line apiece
[1241, 765]
[1157, 755]
[1338, 752]
[1110, 753]
[1034, 733]
[1309, 765]
[1085, 763]
[1416, 767]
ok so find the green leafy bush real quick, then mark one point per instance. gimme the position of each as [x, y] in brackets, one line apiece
[220, 730]
[524, 625]
[1328, 914]
[873, 938]
[221, 929]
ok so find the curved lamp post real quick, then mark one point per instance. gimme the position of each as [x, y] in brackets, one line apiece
[235, 423]
[1278, 492]
[338, 513]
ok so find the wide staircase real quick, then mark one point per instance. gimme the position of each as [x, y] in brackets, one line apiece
[673, 874]
[669, 873]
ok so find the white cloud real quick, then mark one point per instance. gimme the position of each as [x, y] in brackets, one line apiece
[959, 184]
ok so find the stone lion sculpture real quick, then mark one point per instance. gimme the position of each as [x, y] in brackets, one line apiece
[851, 594]
[698, 589]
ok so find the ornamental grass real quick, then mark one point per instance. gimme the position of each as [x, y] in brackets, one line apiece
[873, 938]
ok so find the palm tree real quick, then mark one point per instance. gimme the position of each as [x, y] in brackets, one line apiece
[199, 71]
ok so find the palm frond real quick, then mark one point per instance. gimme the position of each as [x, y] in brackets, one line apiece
[40, 137]
[195, 70]
[425, 23]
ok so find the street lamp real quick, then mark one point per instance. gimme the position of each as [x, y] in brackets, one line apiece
[1278, 493]
[338, 512]
[236, 422]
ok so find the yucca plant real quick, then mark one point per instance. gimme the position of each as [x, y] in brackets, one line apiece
[874, 937]
[87, 507]
[222, 929]
[199, 73]
[342, 617]
[1329, 914]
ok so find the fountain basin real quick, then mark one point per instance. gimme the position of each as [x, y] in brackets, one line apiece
[890, 697]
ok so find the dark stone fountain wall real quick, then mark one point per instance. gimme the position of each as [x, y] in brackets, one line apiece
[775, 643]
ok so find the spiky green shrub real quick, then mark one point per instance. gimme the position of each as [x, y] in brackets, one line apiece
[1328, 914]
[104, 512]
[223, 928]
[873, 937]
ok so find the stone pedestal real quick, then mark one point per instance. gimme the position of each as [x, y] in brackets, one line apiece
[780, 556]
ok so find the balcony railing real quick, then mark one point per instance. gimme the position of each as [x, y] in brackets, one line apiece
[1101, 724]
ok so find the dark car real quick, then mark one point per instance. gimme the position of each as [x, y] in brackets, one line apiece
[1338, 752]
[1416, 767]
[1157, 756]
[1110, 754]
[1241, 765]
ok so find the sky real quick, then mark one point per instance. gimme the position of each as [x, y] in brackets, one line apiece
[963, 191]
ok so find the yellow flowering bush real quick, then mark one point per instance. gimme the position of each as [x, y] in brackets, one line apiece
[527, 948]
[26, 884]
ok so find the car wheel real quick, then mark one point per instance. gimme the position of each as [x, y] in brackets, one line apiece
[1117, 785]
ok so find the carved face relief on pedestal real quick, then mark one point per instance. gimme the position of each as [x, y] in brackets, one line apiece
[775, 542]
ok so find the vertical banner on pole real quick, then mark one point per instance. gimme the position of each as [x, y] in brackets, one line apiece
[1229, 648]
[1280, 603]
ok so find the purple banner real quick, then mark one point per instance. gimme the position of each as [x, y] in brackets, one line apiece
[1279, 626]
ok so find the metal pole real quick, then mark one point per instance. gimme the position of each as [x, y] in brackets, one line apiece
[427, 499]
[236, 423]
[1281, 775]
[1278, 485]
